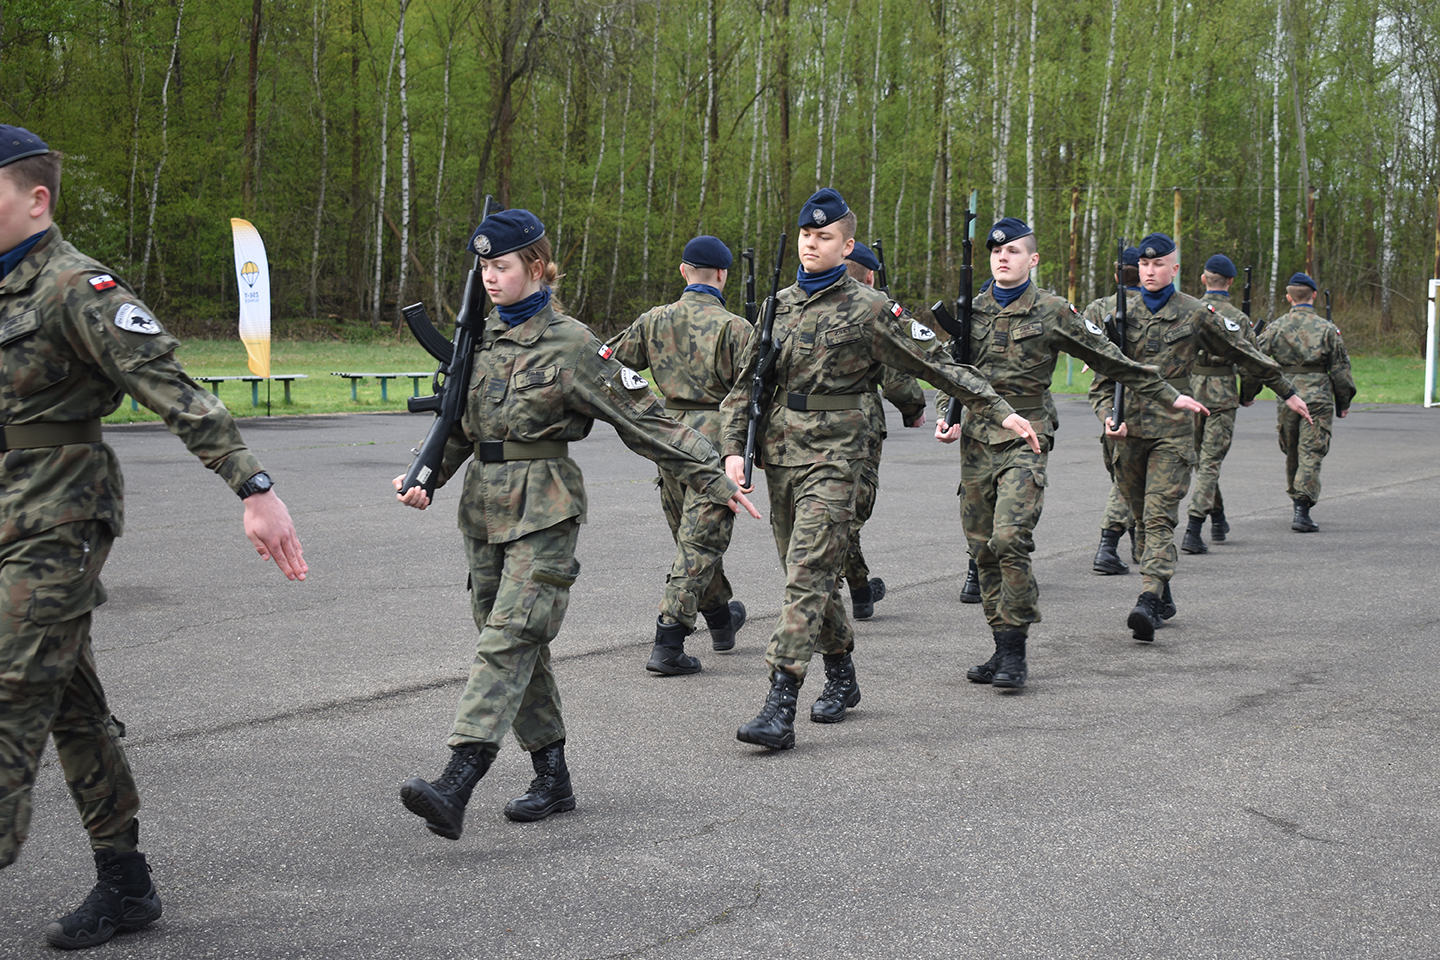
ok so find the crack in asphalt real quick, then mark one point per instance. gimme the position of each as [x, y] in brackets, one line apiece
[724, 916]
[1288, 827]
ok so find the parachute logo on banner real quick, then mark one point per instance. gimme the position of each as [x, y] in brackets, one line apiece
[252, 274]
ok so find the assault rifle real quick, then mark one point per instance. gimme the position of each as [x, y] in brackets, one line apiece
[749, 257]
[1116, 328]
[452, 379]
[959, 330]
[762, 383]
[1328, 318]
[1245, 303]
[882, 279]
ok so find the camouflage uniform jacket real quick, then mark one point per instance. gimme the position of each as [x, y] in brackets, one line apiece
[834, 342]
[75, 339]
[903, 391]
[1216, 391]
[1016, 348]
[693, 349]
[1304, 338]
[1171, 340]
[1099, 311]
[549, 379]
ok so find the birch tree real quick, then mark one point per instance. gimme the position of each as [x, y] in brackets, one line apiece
[164, 146]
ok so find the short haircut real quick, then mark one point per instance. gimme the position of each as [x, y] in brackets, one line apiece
[1029, 243]
[857, 270]
[41, 170]
[1214, 281]
[846, 225]
[1131, 275]
[1300, 293]
[701, 274]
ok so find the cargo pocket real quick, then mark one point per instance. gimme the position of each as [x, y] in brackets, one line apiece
[547, 596]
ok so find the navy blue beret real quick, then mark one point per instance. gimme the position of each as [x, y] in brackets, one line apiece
[1156, 245]
[707, 252]
[1007, 230]
[1220, 265]
[1130, 257]
[1303, 280]
[864, 256]
[824, 206]
[17, 143]
[505, 232]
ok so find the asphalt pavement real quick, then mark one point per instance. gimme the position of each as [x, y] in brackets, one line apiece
[1260, 781]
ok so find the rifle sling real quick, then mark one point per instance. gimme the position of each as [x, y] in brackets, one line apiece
[822, 401]
[29, 436]
[499, 451]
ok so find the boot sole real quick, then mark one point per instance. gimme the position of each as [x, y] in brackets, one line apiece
[969, 597]
[1009, 684]
[419, 801]
[1141, 625]
[1194, 549]
[664, 669]
[785, 743]
[563, 805]
[145, 912]
[849, 705]
[862, 613]
[1110, 570]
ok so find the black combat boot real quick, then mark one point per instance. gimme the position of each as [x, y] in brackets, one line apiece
[842, 690]
[1192, 542]
[1166, 607]
[124, 899]
[1144, 620]
[1302, 522]
[985, 672]
[723, 623]
[1219, 526]
[550, 790]
[1012, 671]
[1134, 551]
[970, 589]
[668, 657]
[774, 726]
[442, 802]
[862, 601]
[1107, 557]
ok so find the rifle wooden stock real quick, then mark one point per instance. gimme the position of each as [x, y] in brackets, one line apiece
[761, 384]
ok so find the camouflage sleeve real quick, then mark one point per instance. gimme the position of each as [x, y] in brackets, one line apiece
[730, 352]
[895, 349]
[734, 409]
[1342, 378]
[1084, 338]
[1223, 338]
[902, 390]
[629, 345]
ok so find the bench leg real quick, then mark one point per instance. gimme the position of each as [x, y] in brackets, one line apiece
[287, 390]
[384, 396]
[255, 393]
[417, 386]
[353, 381]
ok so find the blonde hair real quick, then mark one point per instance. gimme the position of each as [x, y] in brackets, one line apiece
[1301, 293]
[539, 252]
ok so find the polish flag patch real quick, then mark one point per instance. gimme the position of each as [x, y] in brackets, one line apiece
[102, 282]
[606, 351]
[895, 308]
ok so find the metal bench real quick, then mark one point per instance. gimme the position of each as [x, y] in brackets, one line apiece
[384, 379]
[254, 381]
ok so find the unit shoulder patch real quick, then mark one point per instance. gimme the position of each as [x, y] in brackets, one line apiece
[918, 331]
[132, 317]
[631, 380]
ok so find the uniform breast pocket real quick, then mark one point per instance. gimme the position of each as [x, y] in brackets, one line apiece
[534, 401]
[982, 333]
[31, 361]
[845, 350]
[1031, 348]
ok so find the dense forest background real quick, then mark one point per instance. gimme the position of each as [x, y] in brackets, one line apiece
[360, 136]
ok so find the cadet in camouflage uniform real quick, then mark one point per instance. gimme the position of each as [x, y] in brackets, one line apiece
[1309, 349]
[75, 340]
[1117, 519]
[1213, 383]
[540, 381]
[902, 390]
[693, 350]
[1154, 446]
[1017, 333]
[832, 335]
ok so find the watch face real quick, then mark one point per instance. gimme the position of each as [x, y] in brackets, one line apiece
[259, 483]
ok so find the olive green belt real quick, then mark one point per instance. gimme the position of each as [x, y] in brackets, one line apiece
[824, 401]
[673, 403]
[1303, 368]
[28, 436]
[1179, 383]
[1228, 371]
[1025, 401]
[498, 451]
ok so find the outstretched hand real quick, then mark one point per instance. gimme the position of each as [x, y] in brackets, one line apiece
[1184, 402]
[1018, 425]
[1297, 403]
[270, 529]
[740, 500]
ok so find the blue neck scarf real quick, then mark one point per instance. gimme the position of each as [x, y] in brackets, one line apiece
[813, 283]
[1004, 296]
[1156, 300]
[1218, 293]
[522, 310]
[12, 257]
[706, 288]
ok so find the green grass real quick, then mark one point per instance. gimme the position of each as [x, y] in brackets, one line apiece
[1381, 379]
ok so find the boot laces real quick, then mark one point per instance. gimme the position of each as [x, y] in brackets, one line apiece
[457, 770]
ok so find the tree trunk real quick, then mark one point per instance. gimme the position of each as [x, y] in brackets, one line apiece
[821, 98]
[318, 24]
[874, 117]
[164, 146]
[1030, 132]
[440, 174]
[620, 199]
[650, 169]
[378, 292]
[1092, 203]
[757, 107]
[782, 79]
[405, 177]
[248, 159]
[1279, 66]
[711, 121]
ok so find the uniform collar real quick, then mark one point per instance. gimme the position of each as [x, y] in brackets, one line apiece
[526, 334]
[702, 293]
[27, 269]
[1020, 304]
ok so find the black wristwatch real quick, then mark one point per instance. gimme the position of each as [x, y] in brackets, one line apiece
[256, 484]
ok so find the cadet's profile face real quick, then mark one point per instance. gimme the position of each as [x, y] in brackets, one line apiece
[507, 280]
[1011, 263]
[1156, 273]
[823, 248]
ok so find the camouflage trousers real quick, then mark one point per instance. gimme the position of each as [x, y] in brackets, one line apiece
[1153, 475]
[701, 530]
[49, 584]
[1304, 446]
[1002, 493]
[1117, 511]
[811, 510]
[856, 571]
[518, 595]
[1213, 436]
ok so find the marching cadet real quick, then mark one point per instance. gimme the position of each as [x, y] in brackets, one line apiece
[1308, 348]
[693, 349]
[832, 335]
[1213, 384]
[76, 339]
[1117, 520]
[1154, 448]
[540, 381]
[1017, 333]
[904, 392]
